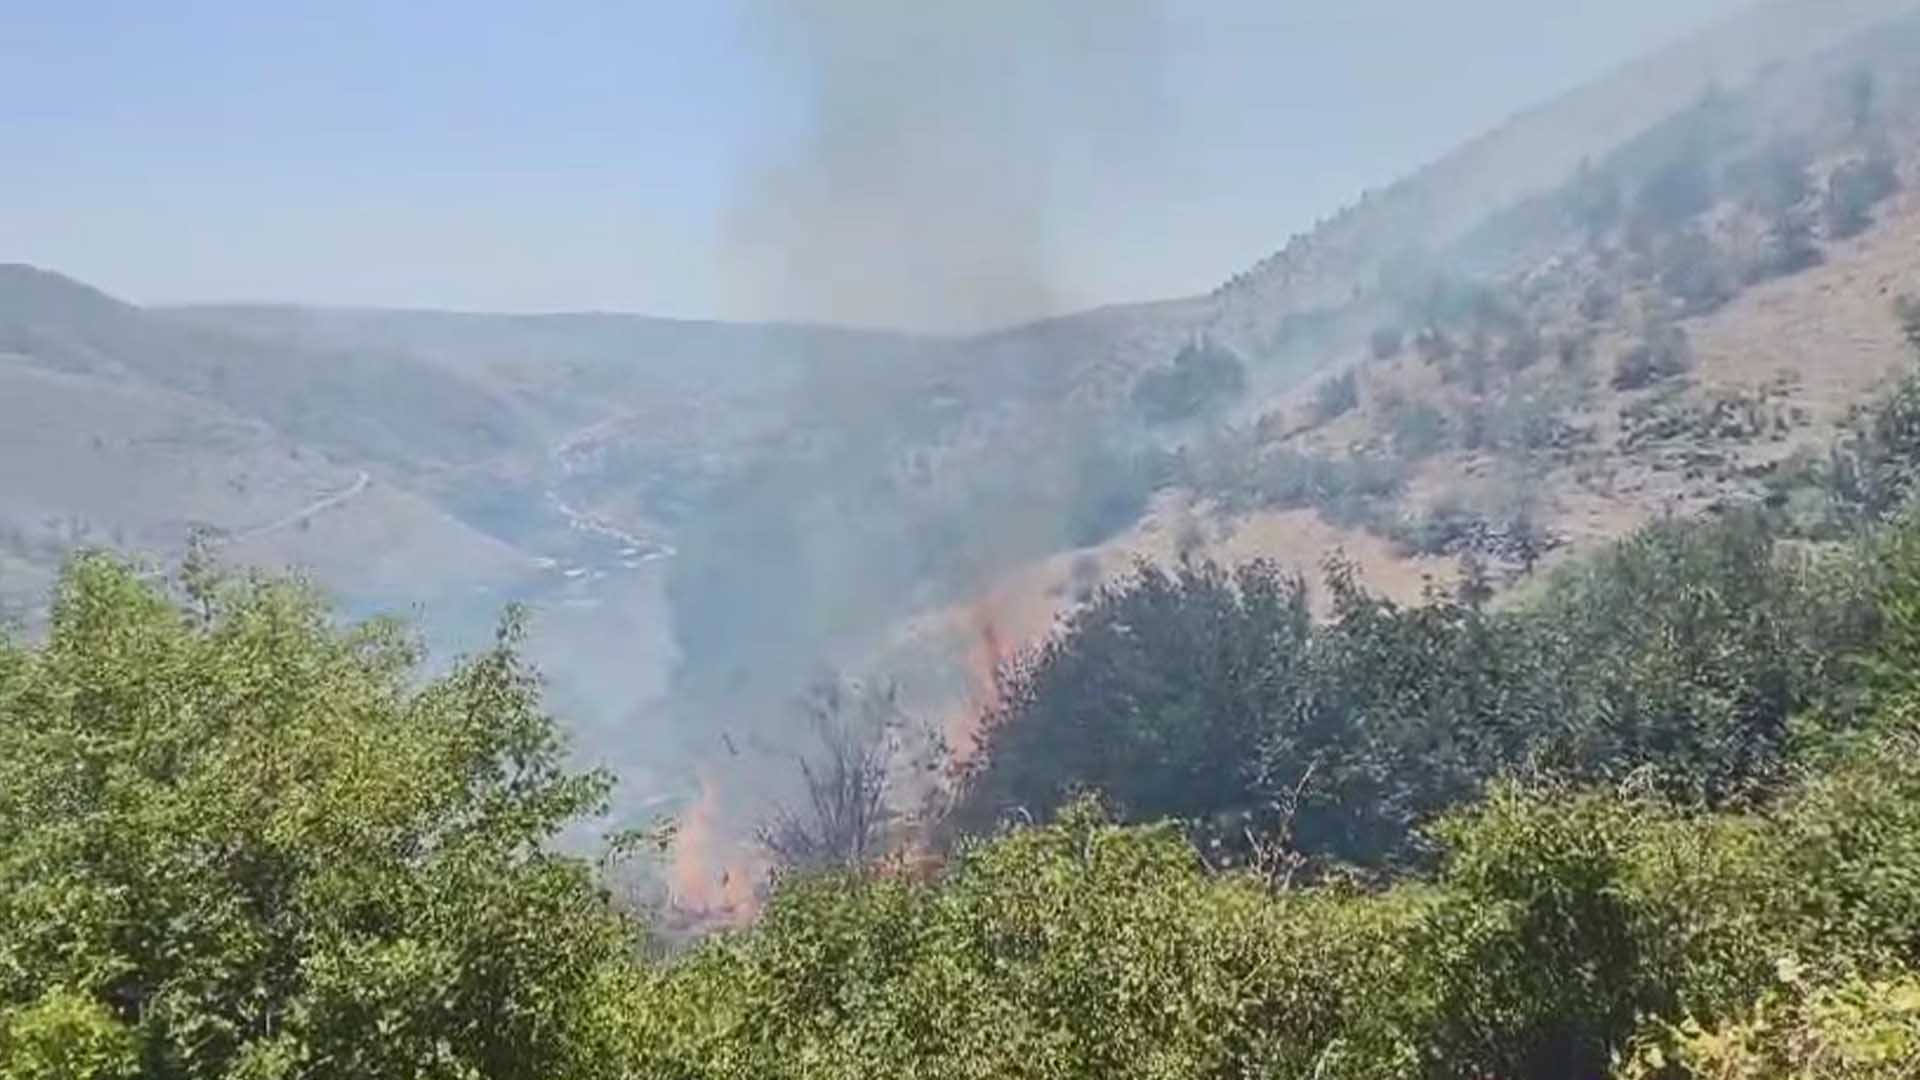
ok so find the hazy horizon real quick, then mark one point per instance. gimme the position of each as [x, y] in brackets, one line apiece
[693, 163]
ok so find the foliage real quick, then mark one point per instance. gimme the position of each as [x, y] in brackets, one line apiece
[1859, 1029]
[1779, 177]
[239, 841]
[1688, 648]
[1073, 950]
[1565, 934]
[1855, 188]
[1870, 475]
[1111, 487]
[1203, 376]
[1694, 274]
[66, 1035]
[1336, 397]
[1593, 199]
[1789, 248]
[1679, 190]
[1289, 478]
[1680, 655]
[1418, 430]
[1663, 353]
[1152, 693]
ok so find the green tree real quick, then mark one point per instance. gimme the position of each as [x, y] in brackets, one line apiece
[240, 841]
[1203, 376]
[1153, 693]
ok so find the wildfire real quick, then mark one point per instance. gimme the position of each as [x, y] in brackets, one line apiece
[999, 623]
[986, 655]
[710, 880]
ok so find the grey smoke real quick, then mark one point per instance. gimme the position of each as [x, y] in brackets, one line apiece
[915, 186]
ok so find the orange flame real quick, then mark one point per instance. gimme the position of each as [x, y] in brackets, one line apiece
[712, 882]
[985, 659]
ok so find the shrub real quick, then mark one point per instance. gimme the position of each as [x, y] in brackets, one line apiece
[1857, 1029]
[238, 838]
[1854, 189]
[1151, 693]
[1076, 949]
[1598, 302]
[1111, 489]
[1418, 430]
[1336, 397]
[1675, 193]
[1790, 248]
[1778, 178]
[1593, 199]
[1692, 272]
[1907, 310]
[1203, 376]
[1386, 342]
[1664, 353]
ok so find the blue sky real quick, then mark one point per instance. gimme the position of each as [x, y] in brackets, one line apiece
[493, 155]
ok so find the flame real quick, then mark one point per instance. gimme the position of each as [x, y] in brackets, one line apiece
[999, 624]
[711, 881]
[985, 659]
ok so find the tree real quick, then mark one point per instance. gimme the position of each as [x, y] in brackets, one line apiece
[1204, 375]
[1907, 310]
[1153, 693]
[1855, 188]
[1336, 397]
[248, 843]
[841, 822]
[1676, 192]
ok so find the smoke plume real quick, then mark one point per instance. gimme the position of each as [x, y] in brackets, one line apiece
[926, 148]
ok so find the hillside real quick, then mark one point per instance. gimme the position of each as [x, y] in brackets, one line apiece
[1687, 322]
[1663, 292]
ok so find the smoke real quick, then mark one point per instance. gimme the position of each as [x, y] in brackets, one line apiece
[928, 146]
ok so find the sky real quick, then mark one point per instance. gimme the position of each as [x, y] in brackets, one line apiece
[828, 160]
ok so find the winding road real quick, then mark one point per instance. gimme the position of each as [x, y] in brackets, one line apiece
[318, 506]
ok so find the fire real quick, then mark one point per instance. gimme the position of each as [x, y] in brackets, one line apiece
[711, 880]
[986, 656]
[999, 623]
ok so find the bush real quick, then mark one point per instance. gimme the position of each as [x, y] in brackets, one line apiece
[1447, 527]
[1418, 430]
[1907, 310]
[1153, 693]
[1204, 375]
[1855, 189]
[1684, 650]
[235, 838]
[1675, 193]
[1790, 248]
[1111, 489]
[1778, 178]
[1075, 949]
[1870, 476]
[1688, 649]
[1857, 1029]
[1598, 302]
[1593, 199]
[1692, 272]
[1664, 353]
[1336, 397]
[1289, 478]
